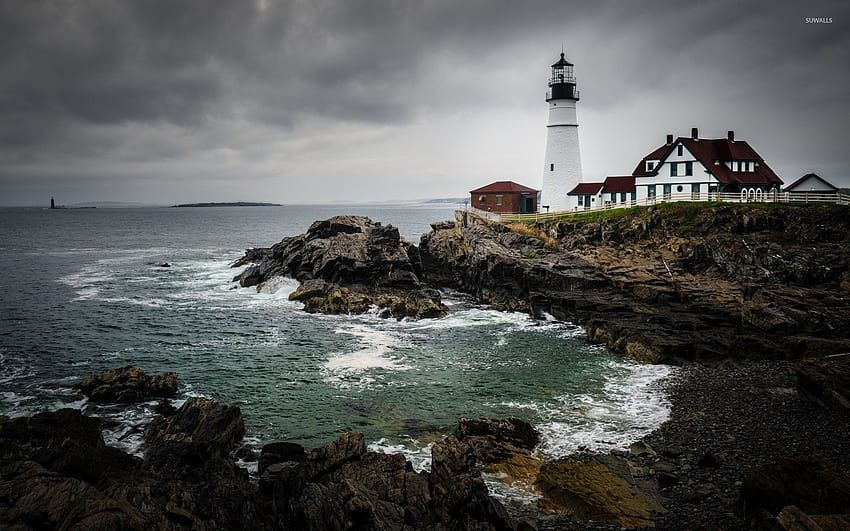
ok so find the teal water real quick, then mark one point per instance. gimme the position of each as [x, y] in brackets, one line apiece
[82, 293]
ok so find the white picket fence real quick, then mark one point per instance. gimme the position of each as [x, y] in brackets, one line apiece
[746, 196]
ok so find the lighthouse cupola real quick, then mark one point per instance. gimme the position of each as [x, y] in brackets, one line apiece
[562, 83]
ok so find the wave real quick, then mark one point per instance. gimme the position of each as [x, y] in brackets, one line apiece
[631, 405]
[373, 353]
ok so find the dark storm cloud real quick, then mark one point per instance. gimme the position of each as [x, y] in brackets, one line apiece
[97, 82]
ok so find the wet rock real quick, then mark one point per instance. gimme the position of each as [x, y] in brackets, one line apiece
[503, 447]
[128, 385]
[165, 408]
[35, 498]
[347, 264]
[458, 489]
[343, 486]
[825, 382]
[813, 484]
[641, 448]
[601, 488]
[199, 420]
[280, 452]
[511, 430]
[66, 442]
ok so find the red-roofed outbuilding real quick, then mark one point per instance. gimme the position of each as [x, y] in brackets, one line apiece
[505, 197]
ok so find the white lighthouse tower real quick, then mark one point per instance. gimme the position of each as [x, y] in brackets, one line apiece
[563, 161]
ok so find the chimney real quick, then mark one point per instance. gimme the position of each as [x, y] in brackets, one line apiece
[669, 139]
[694, 133]
[730, 135]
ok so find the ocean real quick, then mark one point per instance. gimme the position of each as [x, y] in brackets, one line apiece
[83, 291]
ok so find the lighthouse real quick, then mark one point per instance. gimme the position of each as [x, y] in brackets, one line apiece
[562, 171]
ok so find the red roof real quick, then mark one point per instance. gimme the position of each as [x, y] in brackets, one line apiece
[586, 189]
[708, 151]
[503, 186]
[805, 177]
[624, 183]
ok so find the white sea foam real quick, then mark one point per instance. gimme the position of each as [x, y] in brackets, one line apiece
[419, 456]
[631, 407]
[373, 352]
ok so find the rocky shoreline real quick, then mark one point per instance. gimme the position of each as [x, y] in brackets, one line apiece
[742, 298]
[668, 283]
[747, 445]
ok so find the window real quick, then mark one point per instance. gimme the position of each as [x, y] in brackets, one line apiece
[679, 189]
[674, 169]
[650, 190]
[634, 196]
[482, 199]
[695, 191]
[499, 200]
[552, 167]
[689, 168]
[622, 197]
[679, 150]
[650, 165]
[581, 200]
[667, 189]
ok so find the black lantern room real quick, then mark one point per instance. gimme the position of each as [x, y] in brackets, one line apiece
[562, 83]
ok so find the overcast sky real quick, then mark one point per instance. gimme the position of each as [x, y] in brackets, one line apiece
[165, 101]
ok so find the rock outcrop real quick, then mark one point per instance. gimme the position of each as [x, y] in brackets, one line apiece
[347, 264]
[343, 486]
[57, 473]
[667, 283]
[804, 492]
[600, 488]
[826, 382]
[128, 385]
[503, 447]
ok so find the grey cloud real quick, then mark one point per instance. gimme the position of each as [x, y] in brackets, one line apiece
[105, 82]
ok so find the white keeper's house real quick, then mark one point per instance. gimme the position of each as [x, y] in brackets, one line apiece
[687, 168]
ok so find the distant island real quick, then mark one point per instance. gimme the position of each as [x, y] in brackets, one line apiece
[233, 204]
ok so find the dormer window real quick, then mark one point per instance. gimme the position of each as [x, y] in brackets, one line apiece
[679, 150]
[650, 165]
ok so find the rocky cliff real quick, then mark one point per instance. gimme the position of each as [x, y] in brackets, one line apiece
[347, 264]
[669, 282]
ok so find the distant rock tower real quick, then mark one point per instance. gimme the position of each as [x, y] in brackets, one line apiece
[563, 161]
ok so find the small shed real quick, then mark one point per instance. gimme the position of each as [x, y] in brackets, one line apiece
[813, 183]
[505, 197]
[587, 194]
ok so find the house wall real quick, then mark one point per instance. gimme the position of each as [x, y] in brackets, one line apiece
[615, 197]
[700, 176]
[595, 201]
[511, 201]
[813, 184]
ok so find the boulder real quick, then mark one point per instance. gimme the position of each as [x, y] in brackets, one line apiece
[513, 431]
[825, 382]
[199, 420]
[36, 498]
[601, 488]
[814, 485]
[343, 486]
[128, 385]
[66, 442]
[503, 447]
[347, 264]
